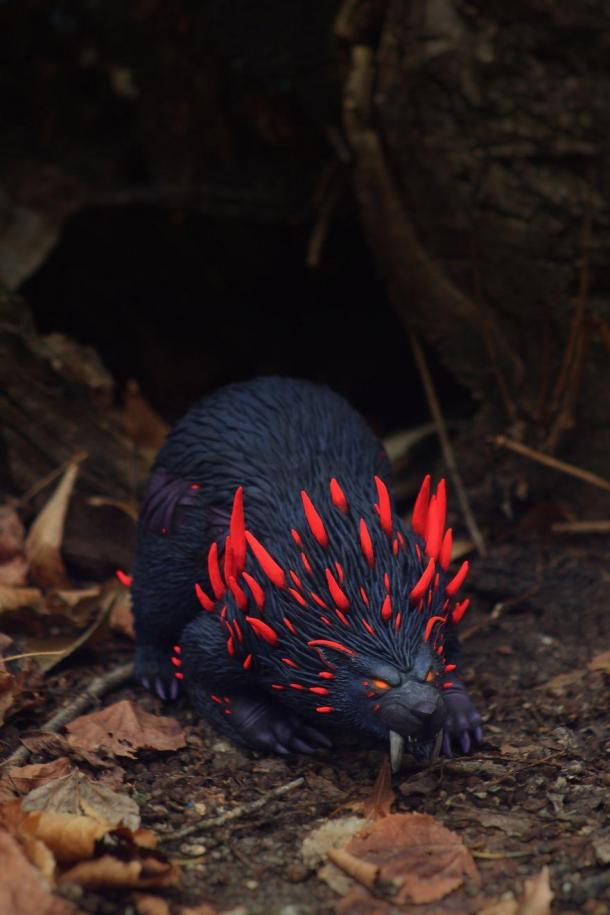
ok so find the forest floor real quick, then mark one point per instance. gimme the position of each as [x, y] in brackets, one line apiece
[536, 793]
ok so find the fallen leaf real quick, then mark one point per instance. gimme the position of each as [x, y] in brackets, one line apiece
[9, 690]
[513, 824]
[150, 905]
[562, 681]
[331, 834]
[501, 907]
[14, 572]
[418, 855]
[56, 744]
[70, 838]
[601, 847]
[26, 778]
[362, 871]
[147, 869]
[75, 794]
[43, 543]
[600, 662]
[537, 895]
[379, 804]
[121, 618]
[23, 890]
[123, 728]
[76, 604]
[12, 599]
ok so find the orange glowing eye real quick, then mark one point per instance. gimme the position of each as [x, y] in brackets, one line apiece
[380, 684]
[430, 676]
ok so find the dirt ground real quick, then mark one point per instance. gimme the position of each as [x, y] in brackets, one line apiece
[535, 794]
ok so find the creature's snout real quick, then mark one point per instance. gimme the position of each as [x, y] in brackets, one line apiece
[414, 710]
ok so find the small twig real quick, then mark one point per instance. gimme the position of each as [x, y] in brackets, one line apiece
[237, 812]
[497, 611]
[498, 855]
[30, 654]
[581, 527]
[502, 442]
[49, 478]
[98, 687]
[446, 447]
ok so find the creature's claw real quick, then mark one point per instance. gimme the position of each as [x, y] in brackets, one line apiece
[145, 682]
[321, 740]
[174, 689]
[160, 688]
[154, 671]
[268, 727]
[463, 724]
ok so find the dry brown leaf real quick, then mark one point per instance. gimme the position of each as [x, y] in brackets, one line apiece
[23, 891]
[40, 855]
[150, 905]
[26, 778]
[537, 895]
[14, 572]
[9, 690]
[76, 604]
[147, 870]
[70, 838]
[43, 544]
[600, 662]
[562, 681]
[362, 871]
[417, 854]
[121, 618]
[123, 728]
[75, 794]
[379, 803]
[12, 599]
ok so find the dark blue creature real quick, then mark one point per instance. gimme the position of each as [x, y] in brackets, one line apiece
[274, 580]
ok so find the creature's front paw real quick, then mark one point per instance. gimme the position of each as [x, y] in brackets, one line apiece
[153, 669]
[268, 727]
[463, 723]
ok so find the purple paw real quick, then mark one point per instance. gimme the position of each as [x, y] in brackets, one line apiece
[266, 727]
[153, 670]
[462, 730]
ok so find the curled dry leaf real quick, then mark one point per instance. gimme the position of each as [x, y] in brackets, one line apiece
[27, 778]
[75, 794]
[135, 868]
[43, 544]
[121, 618]
[537, 895]
[123, 728]
[417, 855]
[23, 890]
[150, 905]
[70, 838]
[12, 599]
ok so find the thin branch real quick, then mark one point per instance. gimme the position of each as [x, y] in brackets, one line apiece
[502, 442]
[446, 447]
[237, 812]
[581, 527]
[98, 687]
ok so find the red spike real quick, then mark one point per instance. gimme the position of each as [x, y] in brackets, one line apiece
[386, 581]
[342, 617]
[434, 531]
[247, 662]
[218, 585]
[296, 686]
[420, 509]
[340, 571]
[296, 579]
[318, 600]
[364, 596]
[216, 699]
[366, 544]
[430, 625]
[460, 610]
[289, 662]
[230, 646]
[418, 552]
[326, 675]
[255, 590]
[237, 629]
[458, 580]
[223, 613]
[368, 627]
[306, 563]
[326, 621]
[272, 570]
[398, 620]
[240, 597]
[446, 548]
[289, 626]
[206, 602]
[449, 668]
[384, 506]
[328, 644]
[395, 546]
[277, 686]
[448, 684]
[324, 709]
[441, 501]
[124, 578]
[195, 486]
[386, 609]
[401, 539]
[338, 497]
[238, 529]
[319, 690]
[178, 675]
[263, 630]
[229, 561]
[296, 537]
[437, 578]
[177, 649]
[337, 594]
[316, 525]
[420, 588]
[176, 662]
[298, 597]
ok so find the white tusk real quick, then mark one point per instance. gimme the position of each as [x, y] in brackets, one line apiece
[437, 746]
[397, 749]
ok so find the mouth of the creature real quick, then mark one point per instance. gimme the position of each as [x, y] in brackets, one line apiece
[421, 750]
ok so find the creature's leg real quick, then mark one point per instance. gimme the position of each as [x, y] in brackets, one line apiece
[463, 725]
[227, 697]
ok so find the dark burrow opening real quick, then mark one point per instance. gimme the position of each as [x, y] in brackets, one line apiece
[184, 302]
